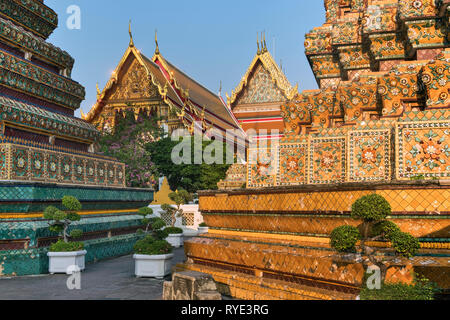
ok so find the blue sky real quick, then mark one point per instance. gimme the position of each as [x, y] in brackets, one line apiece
[212, 41]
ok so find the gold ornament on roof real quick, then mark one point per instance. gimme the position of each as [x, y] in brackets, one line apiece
[131, 35]
[156, 42]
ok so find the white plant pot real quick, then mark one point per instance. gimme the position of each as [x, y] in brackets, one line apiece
[66, 262]
[156, 266]
[203, 230]
[176, 240]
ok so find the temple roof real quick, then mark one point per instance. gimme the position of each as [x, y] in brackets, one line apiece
[265, 58]
[176, 89]
[155, 75]
[198, 94]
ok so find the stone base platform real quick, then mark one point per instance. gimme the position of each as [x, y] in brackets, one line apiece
[282, 234]
[251, 266]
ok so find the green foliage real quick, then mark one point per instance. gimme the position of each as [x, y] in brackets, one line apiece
[59, 216]
[203, 225]
[60, 220]
[158, 224]
[405, 244]
[72, 216]
[50, 212]
[191, 177]
[180, 197]
[173, 230]
[75, 234]
[160, 234]
[168, 208]
[145, 211]
[385, 228]
[62, 246]
[71, 203]
[151, 246]
[421, 290]
[57, 228]
[344, 238]
[371, 208]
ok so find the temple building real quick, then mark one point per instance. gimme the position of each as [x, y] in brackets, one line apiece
[379, 124]
[155, 87]
[46, 153]
[256, 101]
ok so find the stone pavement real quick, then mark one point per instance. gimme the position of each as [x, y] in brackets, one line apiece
[105, 280]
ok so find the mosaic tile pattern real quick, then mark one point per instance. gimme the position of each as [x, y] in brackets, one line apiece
[369, 156]
[34, 197]
[423, 150]
[34, 164]
[262, 168]
[404, 200]
[293, 164]
[261, 88]
[327, 160]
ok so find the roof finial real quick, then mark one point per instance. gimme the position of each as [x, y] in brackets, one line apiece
[257, 42]
[156, 42]
[131, 35]
[98, 91]
[220, 89]
[265, 45]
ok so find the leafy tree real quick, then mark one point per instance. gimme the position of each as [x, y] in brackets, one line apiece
[61, 220]
[146, 150]
[191, 177]
[180, 197]
[154, 242]
[374, 210]
[127, 144]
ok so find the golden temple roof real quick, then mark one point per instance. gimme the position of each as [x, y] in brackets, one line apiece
[177, 89]
[198, 94]
[263, 56]
[154, 73]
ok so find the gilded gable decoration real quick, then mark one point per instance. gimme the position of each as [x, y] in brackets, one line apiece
[264, 61]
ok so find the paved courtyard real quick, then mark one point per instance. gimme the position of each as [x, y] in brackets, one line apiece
[106, 280]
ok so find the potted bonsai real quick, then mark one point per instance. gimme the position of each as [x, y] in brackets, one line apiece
[180, 197]
[153, 254]
[65, 255]
[203, 228]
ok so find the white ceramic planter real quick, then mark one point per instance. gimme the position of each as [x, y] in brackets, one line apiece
[176, 240]
[157, 266]
[64, 262]
[203, 230]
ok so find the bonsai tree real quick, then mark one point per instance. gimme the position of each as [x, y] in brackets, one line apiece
[374, 210]
[154, 243]
[180, 198]
[60, 222]
[145, 212]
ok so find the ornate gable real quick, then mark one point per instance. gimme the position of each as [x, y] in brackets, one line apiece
[134, 84]
[260, 88]
[264, 81]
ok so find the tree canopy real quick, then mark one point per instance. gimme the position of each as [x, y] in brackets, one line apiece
[146, 150]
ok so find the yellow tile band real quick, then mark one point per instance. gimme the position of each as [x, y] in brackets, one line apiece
[83, 213]
[270, 236]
